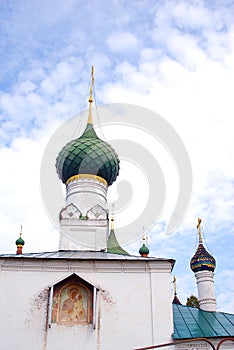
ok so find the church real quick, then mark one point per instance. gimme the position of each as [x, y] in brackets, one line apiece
[91, 293]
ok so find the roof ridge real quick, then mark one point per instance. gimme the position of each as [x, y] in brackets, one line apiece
[220, 312]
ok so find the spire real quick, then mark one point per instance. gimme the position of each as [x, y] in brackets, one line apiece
[174, 285]
[90, 118]
[19, 243]
[176, 300]
[202, 260]
[112, 223]
[203, 265]
[112, 243]
[199, 230]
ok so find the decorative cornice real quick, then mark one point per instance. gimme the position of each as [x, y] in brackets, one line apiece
[78, 266]
[202, 345]
[87, 176]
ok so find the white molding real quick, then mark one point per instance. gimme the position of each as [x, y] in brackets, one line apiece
[50, 305]
[87, 266]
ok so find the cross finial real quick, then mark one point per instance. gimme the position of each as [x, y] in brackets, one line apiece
[92, 73]
[174, 284]
[112, 223]
[144, 236]
[199, 230]
[90, 119]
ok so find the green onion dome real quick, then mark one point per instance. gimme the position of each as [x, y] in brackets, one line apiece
[144, 251]
[88, 155]
[202, 260]
[19, 241]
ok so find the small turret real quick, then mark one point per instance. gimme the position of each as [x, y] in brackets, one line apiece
[202, 260]
[144, 250]
[176, 300]
[19, 243]
[87, 165]
[203, 265]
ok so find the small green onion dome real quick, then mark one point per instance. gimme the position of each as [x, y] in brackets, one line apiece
[202, 260]
[88, 155]
[19, 241]
[144, 251]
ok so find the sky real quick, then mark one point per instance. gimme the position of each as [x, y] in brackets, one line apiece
[175, 58]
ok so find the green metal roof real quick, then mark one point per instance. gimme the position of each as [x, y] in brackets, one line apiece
[88, 155]
[113, 245]
[82, 255]
[190, 322]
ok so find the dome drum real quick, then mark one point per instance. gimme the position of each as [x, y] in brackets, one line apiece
[86, 191]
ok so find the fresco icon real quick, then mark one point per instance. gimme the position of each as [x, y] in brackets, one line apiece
[71, 304]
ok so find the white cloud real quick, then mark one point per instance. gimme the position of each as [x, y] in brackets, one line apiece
[191, 15]
[64, 73]
[122, 42]
[225, 291]
[20, 179]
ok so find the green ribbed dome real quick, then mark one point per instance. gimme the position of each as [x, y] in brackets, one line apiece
[88, 155]
[19, 241]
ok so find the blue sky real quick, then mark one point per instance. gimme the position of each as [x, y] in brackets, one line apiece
[173, 57]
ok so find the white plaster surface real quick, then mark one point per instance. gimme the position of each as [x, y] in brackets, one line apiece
[83, 234]
[206, 293]
[85, 193]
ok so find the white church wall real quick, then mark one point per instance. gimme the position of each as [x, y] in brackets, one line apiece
[133, 307]
[163, 316]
